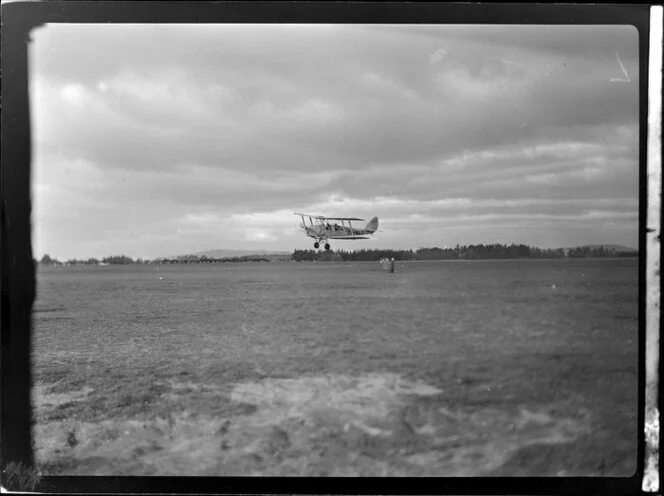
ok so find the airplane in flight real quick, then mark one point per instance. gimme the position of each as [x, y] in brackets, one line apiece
[320, 229]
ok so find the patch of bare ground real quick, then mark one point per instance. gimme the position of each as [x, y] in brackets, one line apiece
[333, 425]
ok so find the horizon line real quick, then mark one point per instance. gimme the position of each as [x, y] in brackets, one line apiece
[262, 251]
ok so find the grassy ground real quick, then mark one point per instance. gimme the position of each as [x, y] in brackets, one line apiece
[442, 368]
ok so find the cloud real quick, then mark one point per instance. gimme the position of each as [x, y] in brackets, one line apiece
[384, 86]
[188, 135]
[259, 235]
[437, 56]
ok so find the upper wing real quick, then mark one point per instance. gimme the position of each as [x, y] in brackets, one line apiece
[309, 215]
[341, 218]
[327, 218]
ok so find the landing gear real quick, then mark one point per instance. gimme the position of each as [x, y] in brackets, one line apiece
[317, 245]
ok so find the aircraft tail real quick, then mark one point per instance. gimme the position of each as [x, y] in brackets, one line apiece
[372, 226]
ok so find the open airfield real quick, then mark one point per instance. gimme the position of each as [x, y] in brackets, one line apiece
[460, 368]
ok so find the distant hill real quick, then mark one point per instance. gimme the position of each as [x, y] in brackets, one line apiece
[233, 253]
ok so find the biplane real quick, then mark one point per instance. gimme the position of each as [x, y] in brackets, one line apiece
[323, 228]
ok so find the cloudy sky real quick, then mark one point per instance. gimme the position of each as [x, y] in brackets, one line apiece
[155, 140]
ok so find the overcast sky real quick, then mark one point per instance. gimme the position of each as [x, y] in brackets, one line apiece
[155, 140]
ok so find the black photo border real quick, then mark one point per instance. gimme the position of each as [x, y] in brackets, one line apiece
[18, 272]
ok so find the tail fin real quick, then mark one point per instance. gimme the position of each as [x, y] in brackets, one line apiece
[372, 226]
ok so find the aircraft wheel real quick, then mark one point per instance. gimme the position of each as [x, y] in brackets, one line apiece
[316, 245]
[327, 246]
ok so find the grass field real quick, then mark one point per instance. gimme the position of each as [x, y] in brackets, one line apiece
[442, 368]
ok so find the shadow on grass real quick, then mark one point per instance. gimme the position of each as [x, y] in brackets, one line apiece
[571, 459]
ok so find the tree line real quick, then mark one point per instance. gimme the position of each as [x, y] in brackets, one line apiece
[459, 252]
[126, 260]
[464, 252]
[191, 259]
[113, 259]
